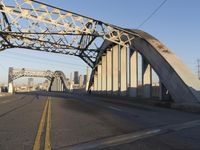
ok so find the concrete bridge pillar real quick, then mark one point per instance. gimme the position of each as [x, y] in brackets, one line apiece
[61, 84]
[164, 93]
[62, 87]
[99, 78]
[146, 78]
[123, 71]
[109, 71]
[55, 84]
[133, 74]
[115, 69]
[58, 84]
[88, 79]
[104, 73]
[52, 85]
[95, 82]
[10, 80]
[10, 87]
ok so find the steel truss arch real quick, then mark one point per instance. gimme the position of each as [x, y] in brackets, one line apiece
[15, 73]
[38, 26]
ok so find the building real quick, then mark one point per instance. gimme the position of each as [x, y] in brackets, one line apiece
[45, 85]
[76, 77]
[85, 79]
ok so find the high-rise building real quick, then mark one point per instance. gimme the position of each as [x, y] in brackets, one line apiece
[76, 77]
[85, 79]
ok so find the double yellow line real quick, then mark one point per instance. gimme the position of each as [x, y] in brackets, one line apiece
[46, 118]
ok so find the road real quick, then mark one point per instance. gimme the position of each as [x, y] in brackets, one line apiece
[77, 122]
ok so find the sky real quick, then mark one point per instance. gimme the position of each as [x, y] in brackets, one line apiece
[176, 24]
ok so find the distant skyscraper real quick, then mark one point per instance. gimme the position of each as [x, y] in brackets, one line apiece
[85, 79]
[76, 77]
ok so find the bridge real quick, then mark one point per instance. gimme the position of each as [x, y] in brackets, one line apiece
[38, 26]
[115, 115]
[57, 79]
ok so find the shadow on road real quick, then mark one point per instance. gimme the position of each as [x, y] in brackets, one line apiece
[18, 107]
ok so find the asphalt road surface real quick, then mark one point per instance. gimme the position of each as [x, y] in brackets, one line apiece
[79, 122]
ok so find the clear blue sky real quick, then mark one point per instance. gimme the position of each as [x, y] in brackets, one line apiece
[176, 24]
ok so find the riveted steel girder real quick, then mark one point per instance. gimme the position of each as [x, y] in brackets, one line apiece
[15, 73]
[34, 25]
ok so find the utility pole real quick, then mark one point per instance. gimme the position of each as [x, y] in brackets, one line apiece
[198, 68]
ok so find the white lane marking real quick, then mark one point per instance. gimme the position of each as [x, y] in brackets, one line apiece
[6, 101]
[114, 108]
[153, 131]
[116, 140]
[131, 137]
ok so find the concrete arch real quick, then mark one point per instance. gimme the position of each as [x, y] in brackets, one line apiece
[182, 84]
[59, 76]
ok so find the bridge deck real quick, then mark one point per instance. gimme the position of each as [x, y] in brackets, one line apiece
[79, 122]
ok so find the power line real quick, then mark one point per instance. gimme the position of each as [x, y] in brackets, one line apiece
[26, 60]
[151, 15]
[22, 59]
[45, 59]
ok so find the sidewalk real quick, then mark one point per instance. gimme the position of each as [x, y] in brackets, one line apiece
[5, 94]
[187, 107]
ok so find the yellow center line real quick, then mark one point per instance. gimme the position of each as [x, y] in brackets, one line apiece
[48, 129]
[41, 127]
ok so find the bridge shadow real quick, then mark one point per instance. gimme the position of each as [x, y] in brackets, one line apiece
[43, 93]
[115, 97]
[69, 101]
[18, 107]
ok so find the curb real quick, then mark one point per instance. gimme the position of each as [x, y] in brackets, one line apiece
[186, 107]
[5, 94]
